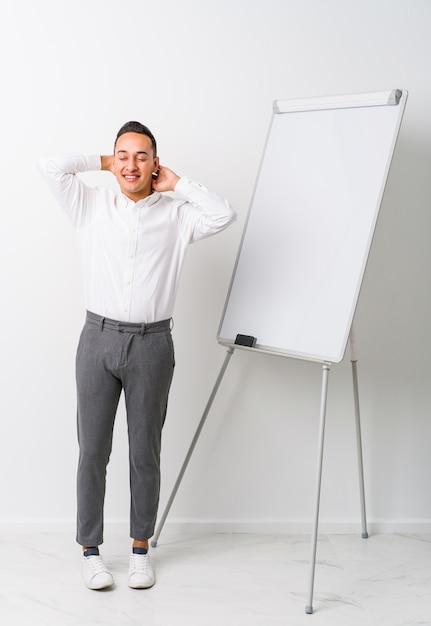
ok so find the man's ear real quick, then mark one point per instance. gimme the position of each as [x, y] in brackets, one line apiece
[155, 173]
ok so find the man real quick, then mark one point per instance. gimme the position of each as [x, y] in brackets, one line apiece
[132, 244]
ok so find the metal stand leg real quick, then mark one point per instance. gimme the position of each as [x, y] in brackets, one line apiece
[192, 446]
[325, 376]
[354, 361]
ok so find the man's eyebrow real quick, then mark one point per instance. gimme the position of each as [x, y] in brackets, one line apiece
[139, 152]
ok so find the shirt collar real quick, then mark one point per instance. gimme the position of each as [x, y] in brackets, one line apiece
[126, 203]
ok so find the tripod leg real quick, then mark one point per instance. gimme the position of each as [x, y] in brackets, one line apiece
[354, 361]
[325, 376]
[192, 447]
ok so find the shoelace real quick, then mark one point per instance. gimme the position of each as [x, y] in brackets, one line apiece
[96, 565]
[139, 563]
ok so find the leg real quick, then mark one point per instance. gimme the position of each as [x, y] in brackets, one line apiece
[325, 375]
[146, 382]
[192, 447]
[98, 393]
[354, 361]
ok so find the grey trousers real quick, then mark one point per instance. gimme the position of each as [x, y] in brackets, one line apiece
[139, 359]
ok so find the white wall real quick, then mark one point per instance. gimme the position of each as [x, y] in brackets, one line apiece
[203, 76]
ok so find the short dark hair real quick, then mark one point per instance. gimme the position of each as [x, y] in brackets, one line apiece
[137, 127]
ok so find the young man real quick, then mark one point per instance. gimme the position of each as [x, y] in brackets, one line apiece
[132, 243]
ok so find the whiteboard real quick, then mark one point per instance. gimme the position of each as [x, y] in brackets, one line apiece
[310, 224]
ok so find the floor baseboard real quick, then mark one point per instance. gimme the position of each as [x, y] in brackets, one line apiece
[209, 526]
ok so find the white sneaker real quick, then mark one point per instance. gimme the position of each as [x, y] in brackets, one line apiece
[95, 573]
[141, 574]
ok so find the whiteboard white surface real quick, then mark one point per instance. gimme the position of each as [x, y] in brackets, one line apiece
[309, 228]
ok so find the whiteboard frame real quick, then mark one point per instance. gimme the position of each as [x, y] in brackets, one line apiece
[394, 97]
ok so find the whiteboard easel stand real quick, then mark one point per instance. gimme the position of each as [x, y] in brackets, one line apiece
[329, 146]
[325, 376]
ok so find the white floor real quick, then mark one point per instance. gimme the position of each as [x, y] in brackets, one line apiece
[223, 580]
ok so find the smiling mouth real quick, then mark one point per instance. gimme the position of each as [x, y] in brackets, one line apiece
[131, 179]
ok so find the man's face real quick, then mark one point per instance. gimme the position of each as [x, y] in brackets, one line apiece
[134, 163]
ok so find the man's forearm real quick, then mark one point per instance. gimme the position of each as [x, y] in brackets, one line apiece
[107, 162]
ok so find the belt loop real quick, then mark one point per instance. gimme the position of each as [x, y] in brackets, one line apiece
[102, 323]
[142, 331]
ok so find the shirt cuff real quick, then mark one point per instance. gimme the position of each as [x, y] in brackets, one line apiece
[94, 162]
[185, 186]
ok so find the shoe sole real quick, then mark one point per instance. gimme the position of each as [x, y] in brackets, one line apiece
[148, 586]
[99, 587]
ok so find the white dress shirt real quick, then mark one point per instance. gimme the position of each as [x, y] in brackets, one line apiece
[132, 252]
